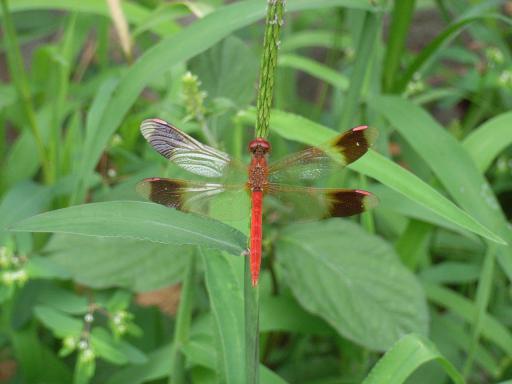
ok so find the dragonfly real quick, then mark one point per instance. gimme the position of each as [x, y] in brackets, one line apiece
[259, 180]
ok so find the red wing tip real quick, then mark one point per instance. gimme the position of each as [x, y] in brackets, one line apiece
[360, 128]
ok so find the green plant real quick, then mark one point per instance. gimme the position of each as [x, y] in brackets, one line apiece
[416, 291]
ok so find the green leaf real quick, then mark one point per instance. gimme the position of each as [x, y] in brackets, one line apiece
[44, 268]
[24, 200]
[353, 280]
[401, 17]
[137, 220]
[110, 262]
[60, 323]
[315, 69]
[426, 55]
[35, 361]
[227, 70]
[486, 142]
[115, 351]
[407, 355]
[294, 127]
[157, 366]
[453, 166]
[284, 314]
[492, 329]
[202, 354]
[225, 291]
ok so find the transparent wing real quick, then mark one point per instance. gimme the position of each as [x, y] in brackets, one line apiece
[227, 201]
[184, 150]
[318, 203]
[315, 162]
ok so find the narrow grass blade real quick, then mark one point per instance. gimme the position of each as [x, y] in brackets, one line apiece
[407, 355]
[364, 56]
[453, 166]
[492, 329]
[427, 54]
[315, 69]
[401, 18]
[483, 294]
[376, 166]
[486, 142]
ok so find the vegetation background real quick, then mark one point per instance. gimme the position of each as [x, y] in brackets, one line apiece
[416, 291]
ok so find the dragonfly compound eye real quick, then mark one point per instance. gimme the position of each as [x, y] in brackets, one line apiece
[259, 145]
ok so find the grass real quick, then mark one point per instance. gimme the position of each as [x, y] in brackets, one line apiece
[415, 291]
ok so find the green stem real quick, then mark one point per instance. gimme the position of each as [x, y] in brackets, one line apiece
[364, 53]
[17, 73]
[183, 319]
[271, 42]
[274, 22]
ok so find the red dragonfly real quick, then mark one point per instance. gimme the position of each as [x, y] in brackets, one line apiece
[259, 179]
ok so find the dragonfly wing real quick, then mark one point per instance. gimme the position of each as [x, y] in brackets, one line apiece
[193, 196]
[317, 203]
[315, 162]
[184, 150]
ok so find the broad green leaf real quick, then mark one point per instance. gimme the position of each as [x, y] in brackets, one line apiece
[61, 300]
[453, 166]
[137, 220]
[225, 291]
[409, 353]
[227, 70]
[315, 69]
[24, 200]
[353, 280]
[486, 142]
[60, 323]
[115, 351]
[110, 262]
[157, 366]
[44, 268]
[492, 329]
[294, 127]
[37, 363]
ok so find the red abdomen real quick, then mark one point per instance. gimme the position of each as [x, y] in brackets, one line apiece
[256, 234]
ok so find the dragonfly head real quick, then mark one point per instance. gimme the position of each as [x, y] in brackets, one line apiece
[259, 146]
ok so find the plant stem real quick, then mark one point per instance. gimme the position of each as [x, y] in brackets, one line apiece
[271, 42]
[17, 73]
[183, 319]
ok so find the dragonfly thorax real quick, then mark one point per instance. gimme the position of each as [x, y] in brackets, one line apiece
[258, 169]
